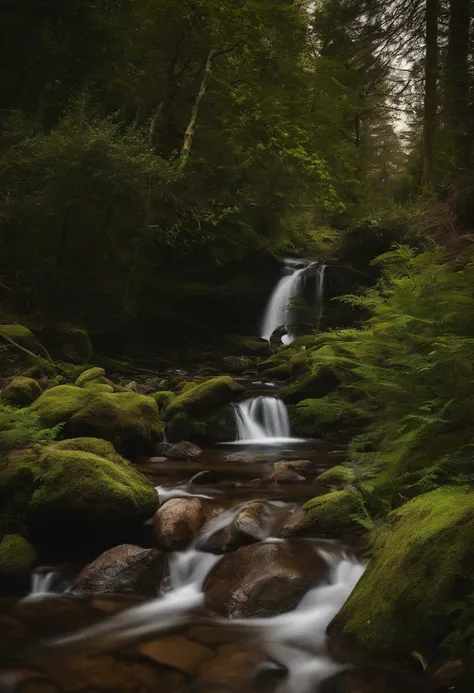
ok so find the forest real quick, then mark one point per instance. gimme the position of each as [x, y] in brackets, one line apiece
[169, 171]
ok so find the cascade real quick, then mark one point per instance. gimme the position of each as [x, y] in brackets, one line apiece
[262, 420]
[278, 312]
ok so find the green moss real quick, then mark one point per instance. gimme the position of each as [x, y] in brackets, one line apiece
[58, 404]
[21, 335]
[72, 371]
[163, 399]
[252, 346]
[179, 428]
[97, 446]
[112, 365]
[423, 565]
[74, 501]
[17, 557]
[185, 386]
[131, 421]
[330, 514]
[73, 343]
[310, 385]
[21, 392]
[206, 398]
[237, 364]
[89, 375]
[95, 386]
[338, 476]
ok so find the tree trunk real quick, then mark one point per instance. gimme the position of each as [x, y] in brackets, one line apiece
[457, 88]
[191, 129]
[431, 92]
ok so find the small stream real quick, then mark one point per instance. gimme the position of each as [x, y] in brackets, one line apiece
[288, 650]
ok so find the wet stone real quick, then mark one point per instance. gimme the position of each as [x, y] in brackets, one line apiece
[176, 651]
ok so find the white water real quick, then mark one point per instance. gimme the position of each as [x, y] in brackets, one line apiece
[295, 640]
[320, 294]
[262, 420]
[278, 312]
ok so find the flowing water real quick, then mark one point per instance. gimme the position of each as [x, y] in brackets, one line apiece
[279, 311]
[262, 420]
[288, 650]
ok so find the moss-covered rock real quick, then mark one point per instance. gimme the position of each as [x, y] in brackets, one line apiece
[95, 386]
[310, 385]
[21, 335]
[163, 399]
[17, 557]
[96, 446]
[206, 398]
[331, 514]
[89, 375]
[21, 392]
[72, 343]
[130, 421]
[237, 364]
[75, 502]
[58, 404]
[423, 566]
[338, 476]
[248, 346]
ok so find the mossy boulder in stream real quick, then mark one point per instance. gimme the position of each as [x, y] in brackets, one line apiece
[421, 571]
[206, 398]
[73, 501]
[89, 375]
[130, 421]
[21, 392]
[331, 514]
[338, 476]
[17, 557]
[21, 335]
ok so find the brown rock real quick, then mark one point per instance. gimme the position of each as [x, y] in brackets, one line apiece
[251, 524]
[177, 651]
[125, 568]
[294, 464]
[184, 451]
[293, 521]
[284, 475]
[263, 579]
[178, 522]
[375, 680]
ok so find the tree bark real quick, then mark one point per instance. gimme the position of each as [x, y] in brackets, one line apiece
[431, 92]
[458, 83]
[191, 129]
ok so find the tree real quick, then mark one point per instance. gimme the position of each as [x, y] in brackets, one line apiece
[431, 93]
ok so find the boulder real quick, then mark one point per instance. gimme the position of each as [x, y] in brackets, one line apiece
[284, 475]
[96, 446]
[206, 398]
[89, 375]
[296, 465]
[237, 364]
[70, 342]
[338, 476]
[17, 557]
[176, 651]
[331, 514]
[264, 579]
[58, 404]
[130, 421]
[249, 346]
[21, 392]
[75, 502]
[253, 523]
[178, 522]
[184, 451]
[421, 571]
[372, 679]
[21, 335]
[125, 568]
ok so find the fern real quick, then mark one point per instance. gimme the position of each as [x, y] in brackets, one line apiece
[20, 428]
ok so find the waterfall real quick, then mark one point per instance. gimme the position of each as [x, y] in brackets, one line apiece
[320, 294]
[278, 312]
[263, 420]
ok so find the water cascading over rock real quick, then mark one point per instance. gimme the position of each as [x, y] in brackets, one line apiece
[262, 419]
[279, 311]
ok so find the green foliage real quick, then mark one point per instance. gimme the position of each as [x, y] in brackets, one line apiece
[406, 375]
[20, 428]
